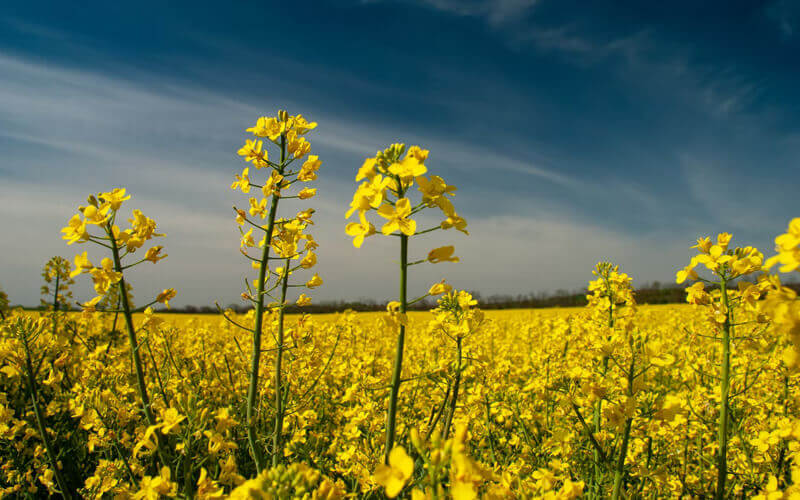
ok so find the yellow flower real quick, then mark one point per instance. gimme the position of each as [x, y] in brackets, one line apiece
[207, 488]
[746, 261]
[394, 476]
[247, 239]
[258, 207]
[307, 193]
[442, 254]
[360, 230]
[370, 194]
[144, 228]
[150, 319]
[434, 191]
[788, 247]
[75, 231]
[114, 198]
[687, 272]
[303, 300]
[703, 244]
[297, 146]
[407, 169]
[171, 421]
[153, 488]
[305, 216]
[314, 282]
[267, 127]
[440, 288]
[94, 215]
[104, 276]
[252, 153]
[398, 218]
[714, 258]
[153, 254]
[242, 182]
[697, 295]
[89, 306]
[82, 265]
[723, 239]
[301, 125]
[308, 172]
[418, 153]
[454, 220]
[309, 261]
[274, 184]
[367, 170]
[224, 420]
[165, 296]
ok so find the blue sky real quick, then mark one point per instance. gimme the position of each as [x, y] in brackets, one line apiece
[575, 131]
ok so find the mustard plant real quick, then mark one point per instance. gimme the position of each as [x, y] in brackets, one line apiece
[726, 265]
[456, 318]
[288, 240]
[26, 331]
[56, 274]
[102, 211]
[607, 294]
[388, 178]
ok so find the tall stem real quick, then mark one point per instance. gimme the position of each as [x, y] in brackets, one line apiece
[277, 444]
[255, 357]
[619, 472]
[51, 456]
[137, 361]
[722, 430]
[391, 416]
[598, 409]
[55, 303]
[454, 398]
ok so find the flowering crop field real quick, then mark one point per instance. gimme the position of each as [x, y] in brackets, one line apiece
[614, 400]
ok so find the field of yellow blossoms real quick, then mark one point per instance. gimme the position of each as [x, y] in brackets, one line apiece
[614, 400]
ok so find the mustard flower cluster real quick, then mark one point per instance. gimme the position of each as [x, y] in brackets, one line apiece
[101, 212]
[387, 179]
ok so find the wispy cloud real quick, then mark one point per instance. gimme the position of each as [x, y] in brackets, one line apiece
[495, 12]
[68, 132]
[786, 16]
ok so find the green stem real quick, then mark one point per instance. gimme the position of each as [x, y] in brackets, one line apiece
[619, 472]
[51, 456]
[391, 415]
[489, 436]
[137, 361]
[277, 444]
[598, 409]
[55, 304]
[722, 429]
[252, 390]
[453, 399]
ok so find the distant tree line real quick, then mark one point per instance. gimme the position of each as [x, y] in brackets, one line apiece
[651, 293]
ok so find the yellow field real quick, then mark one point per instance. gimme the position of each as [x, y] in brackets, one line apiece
[528, 376]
